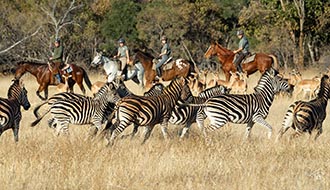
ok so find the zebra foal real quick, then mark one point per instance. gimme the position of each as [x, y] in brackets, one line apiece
[246, 108]
[10, 109]
[148, 111]
[306, 116]
[82, 111]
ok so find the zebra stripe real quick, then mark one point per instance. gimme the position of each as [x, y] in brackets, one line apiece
[148, 111]
[186, 115]
[308, 116]
[246, 108]
[82, 111]
[10, 112]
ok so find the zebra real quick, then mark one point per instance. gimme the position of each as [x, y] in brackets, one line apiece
[246, 108]
[148, 111]
[82, 111]
[307, 116]
[186, 115]
[10, 112]
[121, 89]
[155, 90]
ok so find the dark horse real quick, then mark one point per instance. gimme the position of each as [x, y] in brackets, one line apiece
[262, 61]
[45, 77]
[181, 67]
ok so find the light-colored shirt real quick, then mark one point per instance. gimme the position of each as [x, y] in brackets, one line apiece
[166, 48]
[244, 44]
[122, 51]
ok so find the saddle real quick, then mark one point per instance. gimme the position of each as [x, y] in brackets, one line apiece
[166, 66]
[249, 58]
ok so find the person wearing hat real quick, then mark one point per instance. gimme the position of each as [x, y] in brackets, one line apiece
[242, 51]
[122, 55]
[164, 54]
[57, 59]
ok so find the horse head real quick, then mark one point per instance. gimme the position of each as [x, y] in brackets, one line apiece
[97, 60]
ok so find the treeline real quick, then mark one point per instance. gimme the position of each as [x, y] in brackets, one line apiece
[295, 30]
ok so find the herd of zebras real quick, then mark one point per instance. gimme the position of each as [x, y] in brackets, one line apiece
[119, 108]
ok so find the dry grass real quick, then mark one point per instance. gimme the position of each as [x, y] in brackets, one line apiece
[42, 161]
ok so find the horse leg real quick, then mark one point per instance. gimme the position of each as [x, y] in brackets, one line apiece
[41, 88]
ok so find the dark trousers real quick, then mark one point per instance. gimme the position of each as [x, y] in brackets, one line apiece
[237, 61]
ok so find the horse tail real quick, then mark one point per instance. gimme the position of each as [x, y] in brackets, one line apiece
[86, 78]
[39, 119]
[35, 111]
[275, 62]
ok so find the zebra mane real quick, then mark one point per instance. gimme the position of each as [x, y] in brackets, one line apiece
[103, 90]
[323, 85]
[270, 73]
[216, 90]
[11, 90]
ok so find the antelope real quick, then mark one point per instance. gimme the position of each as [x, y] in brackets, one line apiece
[228, 84]
[213, 82]
[63, 87]
[196, 84]
[307, 86]
[97, 86]
[239, 85]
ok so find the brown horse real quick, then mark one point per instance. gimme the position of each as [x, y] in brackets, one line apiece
[45, 77]
[261, 62]
[180, 68]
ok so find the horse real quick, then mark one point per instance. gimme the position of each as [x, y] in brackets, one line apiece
[45, 76]
[111, 68]
[261, 62]
[180, 68]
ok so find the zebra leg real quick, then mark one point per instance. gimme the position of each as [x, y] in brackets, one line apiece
[185, 130]
[117, 130]
[15, 131]
[248, 129]
[164, 130]
[287, 122]
[319, 132]
[135, 130]
[148, 133]
[264, 123]
[200, 123]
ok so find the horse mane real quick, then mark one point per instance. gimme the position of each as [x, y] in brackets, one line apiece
[30, 62]
[322, 86]
[145, 54]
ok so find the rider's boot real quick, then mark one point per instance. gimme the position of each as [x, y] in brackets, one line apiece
[239, 68]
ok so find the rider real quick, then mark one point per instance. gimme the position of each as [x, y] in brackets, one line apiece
[123, 55]
[242, 51]
[57, 59]
[164, 54]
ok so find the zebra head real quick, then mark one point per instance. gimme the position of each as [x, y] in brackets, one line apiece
[278, 82]
[108, 92]
[186, 95]
[18, 91]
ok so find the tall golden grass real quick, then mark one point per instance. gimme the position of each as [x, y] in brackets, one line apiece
[40, 160]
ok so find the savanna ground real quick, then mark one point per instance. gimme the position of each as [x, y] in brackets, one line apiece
[40, 160]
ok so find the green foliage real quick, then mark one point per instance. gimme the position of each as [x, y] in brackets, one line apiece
[119, 22]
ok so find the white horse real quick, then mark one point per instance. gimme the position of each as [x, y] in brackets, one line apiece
[111, 68]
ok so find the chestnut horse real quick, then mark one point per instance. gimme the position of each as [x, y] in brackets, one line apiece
[181, 67]
[262, 61]
[45, 77]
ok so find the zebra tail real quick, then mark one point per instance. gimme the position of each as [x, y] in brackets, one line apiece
[35, 111]
[39, 119]
[87, 81]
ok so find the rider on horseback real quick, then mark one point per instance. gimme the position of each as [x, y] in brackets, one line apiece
[57, 59]
[123, 55]
[164, 54]
[242, 51]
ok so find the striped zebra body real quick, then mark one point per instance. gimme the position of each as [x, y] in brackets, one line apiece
[10, 110]
[186, 115]
[148, 111]
[249, 108]
[82, 111]
[308, 116]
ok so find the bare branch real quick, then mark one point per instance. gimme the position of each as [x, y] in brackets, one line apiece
[20, 41]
